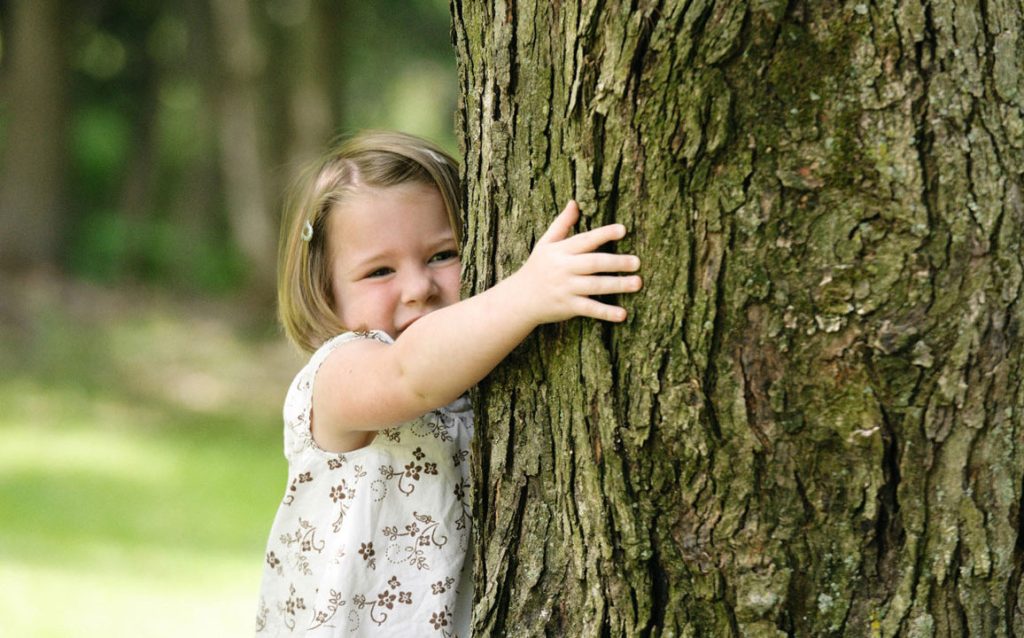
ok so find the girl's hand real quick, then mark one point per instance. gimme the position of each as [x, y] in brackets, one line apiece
[451, 349]
[562, 273]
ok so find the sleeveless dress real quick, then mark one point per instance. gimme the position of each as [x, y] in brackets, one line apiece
[373, 542]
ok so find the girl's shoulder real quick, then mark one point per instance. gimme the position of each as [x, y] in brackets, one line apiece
[298, 402]
[329, 346]
[318, 357]
[303, 382]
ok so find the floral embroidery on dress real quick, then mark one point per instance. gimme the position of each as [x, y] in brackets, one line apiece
[322, 617]
[304, 537]
[291, 606]
[339, 555]
[305, 477]
[385, 601]
[374, 540]
[342, 495]
[442, 586]
[411, 471]
[433, 424]
[358, 473]
[274, 562]
[411, 551]
[305, 541]
[441, 621]
[261, 616]
[461, 490]
[368, 553]
[379, 489]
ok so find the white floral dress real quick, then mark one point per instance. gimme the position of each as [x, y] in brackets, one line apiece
[373, 542]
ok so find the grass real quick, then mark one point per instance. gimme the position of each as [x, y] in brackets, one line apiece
[141, 462]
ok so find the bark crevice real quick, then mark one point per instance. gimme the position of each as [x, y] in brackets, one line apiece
[808, 425]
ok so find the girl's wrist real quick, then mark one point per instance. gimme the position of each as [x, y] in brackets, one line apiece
[517, 302]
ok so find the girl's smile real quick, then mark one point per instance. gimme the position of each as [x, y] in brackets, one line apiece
[393, 257]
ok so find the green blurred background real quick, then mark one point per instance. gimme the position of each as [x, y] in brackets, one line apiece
[145, 146]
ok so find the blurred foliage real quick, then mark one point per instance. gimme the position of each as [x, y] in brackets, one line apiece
[406, 59]
[142, 460]
[144, 183]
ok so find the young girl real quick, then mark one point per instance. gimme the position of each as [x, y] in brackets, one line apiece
[373, 532]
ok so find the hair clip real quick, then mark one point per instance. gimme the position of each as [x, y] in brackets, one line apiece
[307, 231]
[436, 156]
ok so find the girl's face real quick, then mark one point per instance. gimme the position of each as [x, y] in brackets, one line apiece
[393, 257]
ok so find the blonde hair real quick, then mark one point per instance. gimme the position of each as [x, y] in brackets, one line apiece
[372, 159]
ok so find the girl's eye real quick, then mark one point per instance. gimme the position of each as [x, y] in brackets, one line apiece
[380, 272]
[444, 255]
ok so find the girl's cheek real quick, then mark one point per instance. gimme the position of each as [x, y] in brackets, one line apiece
[454, 282]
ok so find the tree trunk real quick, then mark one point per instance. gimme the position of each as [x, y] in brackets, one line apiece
[240, 130]
[33, 161]
[194, 202]
[811, 423]
[306, 68]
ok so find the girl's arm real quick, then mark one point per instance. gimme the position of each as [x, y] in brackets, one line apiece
[449, 350]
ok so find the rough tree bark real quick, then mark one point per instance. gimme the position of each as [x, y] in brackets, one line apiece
[33, 154]
[811, 424]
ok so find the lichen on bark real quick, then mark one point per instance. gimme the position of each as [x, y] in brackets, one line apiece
[810, 423]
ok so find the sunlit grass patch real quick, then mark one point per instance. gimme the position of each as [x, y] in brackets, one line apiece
[108, 528]
[134, 593]
[132, 501]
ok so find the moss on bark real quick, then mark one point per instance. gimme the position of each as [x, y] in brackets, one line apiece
[810, 423]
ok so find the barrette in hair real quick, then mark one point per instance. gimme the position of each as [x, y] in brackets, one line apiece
[307, 231]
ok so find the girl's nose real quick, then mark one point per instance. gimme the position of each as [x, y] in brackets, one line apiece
[418, 286]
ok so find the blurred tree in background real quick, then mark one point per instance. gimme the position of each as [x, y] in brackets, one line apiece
[144, 150]
[150, 141]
